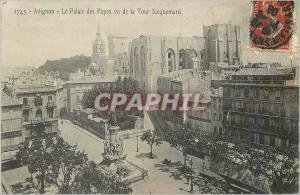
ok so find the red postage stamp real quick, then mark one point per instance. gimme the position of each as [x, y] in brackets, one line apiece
[271, 25]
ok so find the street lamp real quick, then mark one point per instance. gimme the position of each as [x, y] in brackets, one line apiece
[137, 142]
[191, 175]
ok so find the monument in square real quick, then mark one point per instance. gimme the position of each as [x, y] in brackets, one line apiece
[114, 159]
[113, 149]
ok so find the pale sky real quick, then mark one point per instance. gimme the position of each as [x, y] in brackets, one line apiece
[31, 40]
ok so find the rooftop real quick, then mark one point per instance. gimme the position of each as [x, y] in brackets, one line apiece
[34, 89]
[181, 75]
[263, 71]
[93, 80]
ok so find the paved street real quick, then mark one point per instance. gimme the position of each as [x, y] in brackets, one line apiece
[158, 180]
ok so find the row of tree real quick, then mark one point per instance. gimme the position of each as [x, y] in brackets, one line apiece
[278, 164]
[52, 161]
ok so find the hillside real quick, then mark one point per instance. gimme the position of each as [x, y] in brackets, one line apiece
[65, 65]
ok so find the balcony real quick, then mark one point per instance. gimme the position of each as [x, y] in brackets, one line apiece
[36, 121]
[11, 134]
[9, 147]
[26, 106]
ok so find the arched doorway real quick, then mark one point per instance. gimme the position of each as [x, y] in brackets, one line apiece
[170, 54]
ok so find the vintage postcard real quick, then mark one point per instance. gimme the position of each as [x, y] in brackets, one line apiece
[149, 97]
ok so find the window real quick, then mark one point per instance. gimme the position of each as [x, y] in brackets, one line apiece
[256, 138]
[272, 141]
[232, 119]
[50, 113]
[214, 107]
[278, 109]
[232, 133]
[49, 99]
[272, 123]
[25, 101]
[38, 115]
[294, 126]
[266, 94]
[267, 140]
[220, 117]
[215, 130]
[251, 93]
[38, 101]
[78, 99]
[220, 130]
[26, 115]
[257, 94]
[215, 116]
[246, 93]
[277, 142]
[261, 140]
[237, 92]
[277, 95]
[265, 107]
[208, 115]
[257, 107]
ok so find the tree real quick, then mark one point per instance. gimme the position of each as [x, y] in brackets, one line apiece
[92, 70]
[69, 163]
[88, 99]
[183, 139]
[132, 85]
[92, 180]
[36, 152]
[279, 165]
[53, 161]
[151, 139]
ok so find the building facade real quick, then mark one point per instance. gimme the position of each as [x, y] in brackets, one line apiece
[217, 111]
[151, 56]
[117, 45]
[186, 81]
[121, 64]
[74, 90]
[38, 106]
[99, 57]
[223, 43]
[201, 120]
[11, 127]
[260, 108]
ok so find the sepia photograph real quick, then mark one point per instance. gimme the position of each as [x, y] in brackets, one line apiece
[149, 97]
